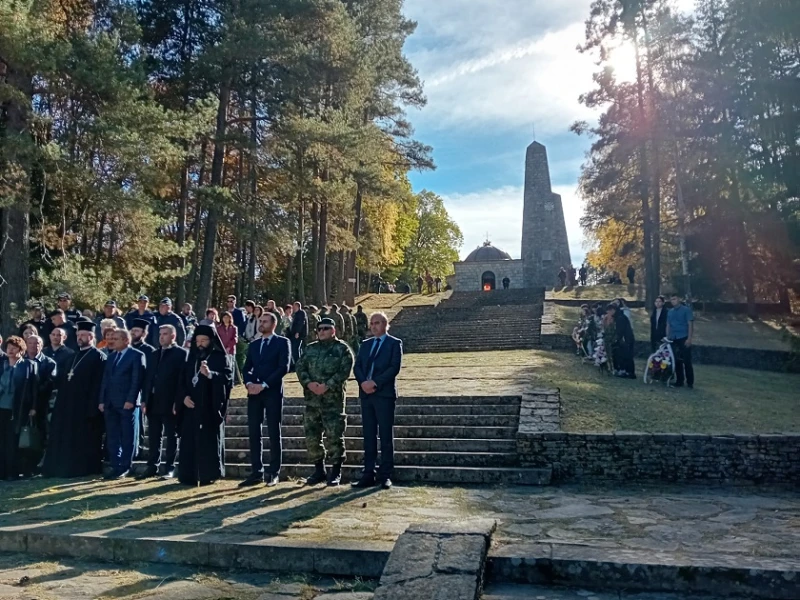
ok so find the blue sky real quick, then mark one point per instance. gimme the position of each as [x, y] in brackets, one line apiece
[494, 69]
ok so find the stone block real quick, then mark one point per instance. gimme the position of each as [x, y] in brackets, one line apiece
[441, 587]
[413, 557]
[12, 540]
[171, 551]
[462, 554]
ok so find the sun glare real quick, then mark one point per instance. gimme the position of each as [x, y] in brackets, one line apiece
[623, 60]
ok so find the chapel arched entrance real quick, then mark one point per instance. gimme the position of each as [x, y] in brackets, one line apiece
[488, 281]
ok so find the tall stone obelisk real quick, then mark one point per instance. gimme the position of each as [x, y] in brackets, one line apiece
[545, 248]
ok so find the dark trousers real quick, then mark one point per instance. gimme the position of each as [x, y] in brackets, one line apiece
[121, 426]
[297, 349]
[9, 441]
[259, 408]
[684, 370]
[159, 425]
[377, 417]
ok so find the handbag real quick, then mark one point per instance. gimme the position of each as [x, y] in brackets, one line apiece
[30, 438]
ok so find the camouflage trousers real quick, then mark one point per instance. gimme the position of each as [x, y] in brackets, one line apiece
[325, 417]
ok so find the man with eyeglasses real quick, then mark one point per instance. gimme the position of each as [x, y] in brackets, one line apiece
[323, 370]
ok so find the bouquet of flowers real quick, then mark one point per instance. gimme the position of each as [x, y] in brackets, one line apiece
[661, 365]
[600, 355]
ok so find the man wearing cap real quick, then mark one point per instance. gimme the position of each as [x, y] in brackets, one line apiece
[165, 316]
[120, 397]
[165, 371]
[109, 312]
[74, 448]
[37, 320]
[267, 362]
[323, 370]
[139, 333]
[65, 304]
[143, 312]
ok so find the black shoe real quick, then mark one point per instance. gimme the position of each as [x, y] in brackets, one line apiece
[319, 476]
[271, 479]
[147, 473]
[386, 484]
[252, 480]
[679, 384]
[335, 476]
[168, 474]
[691, 387]
[365, 482]
[121, 474]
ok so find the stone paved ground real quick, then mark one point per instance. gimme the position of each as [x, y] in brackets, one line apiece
[724, 400]
[741, 523]
[24, 579]
[532, 592]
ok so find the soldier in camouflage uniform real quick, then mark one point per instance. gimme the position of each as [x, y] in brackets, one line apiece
[313, 321]
[362, 323]
[350, 327]
[323, 371]
[334, 314]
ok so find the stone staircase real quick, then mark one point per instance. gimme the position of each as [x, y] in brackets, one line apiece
[441, 439]
[473, 321]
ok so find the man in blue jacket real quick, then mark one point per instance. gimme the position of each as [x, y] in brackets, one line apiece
[376, 369]
[120, 397]
[165, 316]
[238, 314]
[266, 364]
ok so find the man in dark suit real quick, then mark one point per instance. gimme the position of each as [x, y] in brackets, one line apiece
[658, 323]
[298, 330]
[120, 397]
[376, 369]
[160, 393]
[266, 364]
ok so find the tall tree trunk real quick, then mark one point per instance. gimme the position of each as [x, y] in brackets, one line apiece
[101, 232]
[15, 218]
[196, 228]
[329, 266]
[290, 294]
[655, 208]
[745, 265]
[350, 274]
[301, 279]
[341, 283]
[212, 222]
[644, 184]
[320, 280]
[251, 270]
[180, 295]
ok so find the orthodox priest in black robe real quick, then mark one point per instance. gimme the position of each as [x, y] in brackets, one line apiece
[206, 386]
[75, 440]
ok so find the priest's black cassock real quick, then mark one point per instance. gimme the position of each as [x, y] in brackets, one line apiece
[74, 443]
[202, 428]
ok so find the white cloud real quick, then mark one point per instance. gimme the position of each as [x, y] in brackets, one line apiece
[498, 213]
[502, 65]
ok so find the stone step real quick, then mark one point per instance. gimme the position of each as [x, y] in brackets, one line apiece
[424, 432]
[411, 474]
[412, 420]
[411, 400]
[400, 444]
[421, 459]
[239, 407]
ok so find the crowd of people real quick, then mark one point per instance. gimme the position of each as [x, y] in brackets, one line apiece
[75, 391]
[604, 336]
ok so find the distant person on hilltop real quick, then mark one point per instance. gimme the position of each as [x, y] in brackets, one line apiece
[583, 272]
[562, 277]
[506, 283]
[631, 274]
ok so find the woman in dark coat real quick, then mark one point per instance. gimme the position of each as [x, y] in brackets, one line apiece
[201, 408]
[19, 405]
[622, 344]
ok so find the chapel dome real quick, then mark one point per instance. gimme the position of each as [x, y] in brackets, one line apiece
[487, 252]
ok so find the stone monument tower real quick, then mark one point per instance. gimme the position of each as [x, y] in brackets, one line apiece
[545, 248]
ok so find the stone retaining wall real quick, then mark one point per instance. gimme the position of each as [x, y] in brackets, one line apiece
[736, 308]
[623, 456]
[743, 358]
